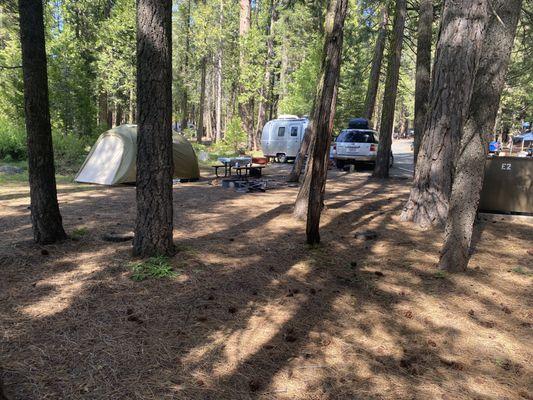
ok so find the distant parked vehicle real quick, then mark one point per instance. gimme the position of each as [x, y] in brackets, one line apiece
[282, 137]
[356, 145]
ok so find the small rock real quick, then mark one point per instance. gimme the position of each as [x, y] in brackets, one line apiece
[366, 235]
[202, 318]
[312, 291]
[379, 273]
[353, 264]
[232, 310]
[471, 313]
[211, 297]
[45, 252]
[506, 310]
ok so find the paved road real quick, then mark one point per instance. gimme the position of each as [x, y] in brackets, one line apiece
[403, 159]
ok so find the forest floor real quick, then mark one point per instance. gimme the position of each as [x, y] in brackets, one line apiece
[252, 311]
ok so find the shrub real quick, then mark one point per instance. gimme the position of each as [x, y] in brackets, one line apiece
[234, 138]
[12, 141]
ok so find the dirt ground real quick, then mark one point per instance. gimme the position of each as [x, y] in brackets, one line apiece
[253, 312]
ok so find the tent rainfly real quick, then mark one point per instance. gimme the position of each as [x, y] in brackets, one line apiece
[112, 159]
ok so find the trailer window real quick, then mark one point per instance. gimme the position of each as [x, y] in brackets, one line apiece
[281, 131]
[294, 131]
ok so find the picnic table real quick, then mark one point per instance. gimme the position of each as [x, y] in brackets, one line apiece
[242, 165]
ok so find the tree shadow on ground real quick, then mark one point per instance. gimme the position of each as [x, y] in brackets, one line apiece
[253, 312]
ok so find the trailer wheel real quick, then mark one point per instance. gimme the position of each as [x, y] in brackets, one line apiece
[282, 158]
[339, 164]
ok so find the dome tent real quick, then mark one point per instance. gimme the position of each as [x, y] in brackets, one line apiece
[112, 159]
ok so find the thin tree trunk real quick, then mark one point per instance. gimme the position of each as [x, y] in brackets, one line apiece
[373, 81]
[154, 224]
[245, 106]
[296, 171]
[218, 105]
[185, 67]
[468, 180]
[391, 89]
[102, 109]
[423, 68]
[45, 216]
[201, 111]
[264, 97]
[131, 116]
[458, 51]
[324, 111]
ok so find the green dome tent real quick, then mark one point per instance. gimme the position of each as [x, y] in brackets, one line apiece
[112, 159]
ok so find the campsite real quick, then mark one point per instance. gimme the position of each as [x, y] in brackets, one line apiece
[266, 200]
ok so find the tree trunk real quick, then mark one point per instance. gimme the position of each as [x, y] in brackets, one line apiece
[118, 113]
[45, 216]
[201, 111]
[324, 111]
[218, 104]
[264, 98]
[154, 224]
[102, 109]
[299, 162]
[468, 179]
[458, 51]
[391, 90]
[423, 68]
[131, 114]
[185, 66]
[373, 81]
[245, 106]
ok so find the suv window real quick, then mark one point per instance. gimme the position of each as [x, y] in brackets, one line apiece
[281, 131]
[294, 131]
[351, 136]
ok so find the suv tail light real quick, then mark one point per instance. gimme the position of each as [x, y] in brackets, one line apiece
[373, 147]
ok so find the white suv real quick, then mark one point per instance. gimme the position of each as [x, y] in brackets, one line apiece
[355, 145]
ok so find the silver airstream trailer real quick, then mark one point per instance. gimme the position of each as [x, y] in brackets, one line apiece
[282, 137]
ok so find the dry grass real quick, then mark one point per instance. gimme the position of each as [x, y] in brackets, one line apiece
[252, 312]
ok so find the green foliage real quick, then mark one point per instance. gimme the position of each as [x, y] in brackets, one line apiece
[155, 267]
[12, 141]
[302, 88]
[234, 138]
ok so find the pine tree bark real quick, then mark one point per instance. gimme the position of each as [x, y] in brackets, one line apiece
[423, 70]
[468, 179]
[102, 108]
[218, 71]
[458, 51]
[324, 111]
[264, 98]
[373, 81]
[154, 223]
[185, 67]
[381, 169]
[45, 216]
[296, 171]
[245, 105]
[200, 128]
